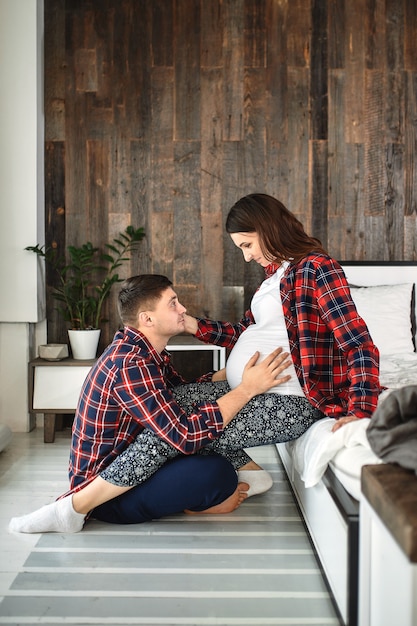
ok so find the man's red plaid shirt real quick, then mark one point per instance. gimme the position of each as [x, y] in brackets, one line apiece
[128, 389]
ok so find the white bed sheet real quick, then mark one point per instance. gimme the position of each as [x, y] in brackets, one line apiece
[398, 370]
[348, 450]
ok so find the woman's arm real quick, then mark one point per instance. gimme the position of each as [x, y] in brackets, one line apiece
[191, 325]
[216, 332]
[352, 337]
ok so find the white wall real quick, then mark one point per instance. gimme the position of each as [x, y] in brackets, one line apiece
[22, 301]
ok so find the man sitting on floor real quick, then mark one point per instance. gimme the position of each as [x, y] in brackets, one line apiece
[129, 389]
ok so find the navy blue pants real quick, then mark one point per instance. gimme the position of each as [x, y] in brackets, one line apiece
[186, 482]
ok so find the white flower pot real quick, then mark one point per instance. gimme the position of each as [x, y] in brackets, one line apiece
[84, 343]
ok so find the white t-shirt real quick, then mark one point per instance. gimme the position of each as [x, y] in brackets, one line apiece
[265, 335]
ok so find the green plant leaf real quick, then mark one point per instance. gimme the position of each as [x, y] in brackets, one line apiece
[87, 275]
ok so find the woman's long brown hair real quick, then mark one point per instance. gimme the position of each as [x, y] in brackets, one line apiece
[281, 234]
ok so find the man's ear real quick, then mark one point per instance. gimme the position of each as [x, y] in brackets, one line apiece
[144, 319]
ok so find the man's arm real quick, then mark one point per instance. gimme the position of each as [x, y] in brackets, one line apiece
[143, 394]
[257, 378]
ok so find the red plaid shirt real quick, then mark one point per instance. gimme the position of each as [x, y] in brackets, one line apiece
[335, 359]
[128, 389]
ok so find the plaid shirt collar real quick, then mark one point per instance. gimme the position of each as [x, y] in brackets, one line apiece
[140, 339]
[271, 269]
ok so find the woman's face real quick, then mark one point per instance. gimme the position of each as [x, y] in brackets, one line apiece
[250, 246]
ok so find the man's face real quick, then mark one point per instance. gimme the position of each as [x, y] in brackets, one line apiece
[168, 314]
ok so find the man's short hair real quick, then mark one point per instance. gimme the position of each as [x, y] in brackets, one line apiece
[140, 293]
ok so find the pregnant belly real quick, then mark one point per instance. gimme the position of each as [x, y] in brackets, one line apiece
[263, 341]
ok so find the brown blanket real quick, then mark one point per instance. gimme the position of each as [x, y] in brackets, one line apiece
[392, 431]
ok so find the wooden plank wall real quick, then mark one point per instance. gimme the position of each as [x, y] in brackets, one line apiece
[162, 113]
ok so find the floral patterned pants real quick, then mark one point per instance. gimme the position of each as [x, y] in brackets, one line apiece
[267, 418]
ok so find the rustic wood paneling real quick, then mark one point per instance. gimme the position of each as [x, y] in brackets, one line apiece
[211, 140]
[162, 233]
[336, 33]
[410, 237]
[298, 30]
[353, 240]
[212, 250]
[212, 27]
[355, 71]
[394, 44]
[319, 187]
[394, 107]
[336, 149]
[410, 163]
[297, 149]
[254, 131]
[410, 30]
[233, 55]
[137, 70]
[375, 34]
[276, 74]
[394, 197]
[374, 149]
[255, 34]
[54, 225]
[54, 70]
[162, 33]
[187, 70]
[162, 113]
[319, 71]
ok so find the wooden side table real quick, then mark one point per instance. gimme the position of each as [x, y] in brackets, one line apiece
[388, 546]
[54, 386]
[54, 389]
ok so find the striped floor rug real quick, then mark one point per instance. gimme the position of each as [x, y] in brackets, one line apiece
[253, 567]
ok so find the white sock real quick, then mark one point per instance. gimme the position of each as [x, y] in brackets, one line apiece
[259, 481]
[57, 517]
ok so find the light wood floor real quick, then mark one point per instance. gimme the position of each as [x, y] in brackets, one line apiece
[252, 567]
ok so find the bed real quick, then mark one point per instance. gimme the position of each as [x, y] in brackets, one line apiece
[324, 468]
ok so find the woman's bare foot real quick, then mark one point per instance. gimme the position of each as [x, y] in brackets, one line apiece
[227, 506]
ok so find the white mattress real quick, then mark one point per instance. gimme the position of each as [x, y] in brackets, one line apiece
[348, 450]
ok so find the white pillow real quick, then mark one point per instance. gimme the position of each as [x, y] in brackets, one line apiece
[386, 310]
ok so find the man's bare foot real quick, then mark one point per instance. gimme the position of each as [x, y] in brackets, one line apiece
[250, 465]
[227, 506]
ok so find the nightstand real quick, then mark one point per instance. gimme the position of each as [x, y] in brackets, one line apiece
[54, 386]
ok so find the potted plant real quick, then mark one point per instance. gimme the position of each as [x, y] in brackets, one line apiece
[86, 276]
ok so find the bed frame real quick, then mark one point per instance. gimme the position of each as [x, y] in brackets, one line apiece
[331, 517]
[330, 514]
